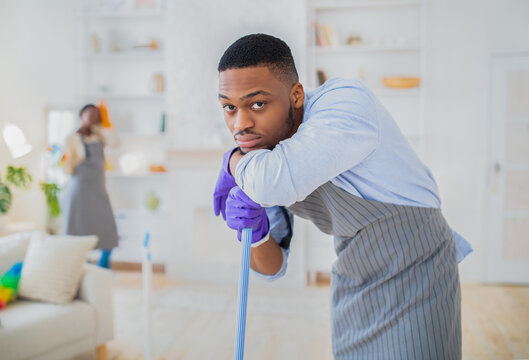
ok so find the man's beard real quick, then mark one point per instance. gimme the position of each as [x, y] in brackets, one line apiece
[289, 126]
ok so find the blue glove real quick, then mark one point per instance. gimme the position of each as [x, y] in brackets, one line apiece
[225, 183]
[243, 212]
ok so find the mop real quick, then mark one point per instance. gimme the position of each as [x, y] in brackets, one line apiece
[146, 270]
[244, 270]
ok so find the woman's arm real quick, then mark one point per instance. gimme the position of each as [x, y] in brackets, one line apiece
[74, 153]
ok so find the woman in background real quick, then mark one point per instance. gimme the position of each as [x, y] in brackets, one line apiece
[87, 206]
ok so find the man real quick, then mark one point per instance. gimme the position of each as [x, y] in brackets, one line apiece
[335, 156]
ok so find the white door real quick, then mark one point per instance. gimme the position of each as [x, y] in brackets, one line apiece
[507, 249]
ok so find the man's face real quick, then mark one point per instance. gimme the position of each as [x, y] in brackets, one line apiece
[257, 107]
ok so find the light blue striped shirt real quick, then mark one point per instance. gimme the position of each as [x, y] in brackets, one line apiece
[349, 138]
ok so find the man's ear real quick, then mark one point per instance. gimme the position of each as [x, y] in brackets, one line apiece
[297, 95]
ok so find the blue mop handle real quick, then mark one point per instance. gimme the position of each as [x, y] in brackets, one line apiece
[246, 245]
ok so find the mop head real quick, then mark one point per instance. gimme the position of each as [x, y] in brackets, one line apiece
[9, 285]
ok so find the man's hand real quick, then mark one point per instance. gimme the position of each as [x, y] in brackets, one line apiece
[266, 256]
[243, 212]
[225, 183]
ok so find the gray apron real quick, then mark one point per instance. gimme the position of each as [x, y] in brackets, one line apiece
[87, 206]
[395, 290]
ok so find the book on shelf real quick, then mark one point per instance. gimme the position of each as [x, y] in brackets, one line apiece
[319, 35]
[326, 35]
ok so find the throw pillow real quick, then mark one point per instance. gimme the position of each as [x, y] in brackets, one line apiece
[53, 267]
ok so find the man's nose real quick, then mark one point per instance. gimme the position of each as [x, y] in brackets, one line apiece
[243, 121]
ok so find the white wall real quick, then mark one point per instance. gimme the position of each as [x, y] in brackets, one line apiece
[461, 36]
[36, 70]
[198, 34]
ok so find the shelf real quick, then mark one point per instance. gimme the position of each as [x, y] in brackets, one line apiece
[156, 137]
[324, 50]
[128, 213]
[152, 56]
[127, 97]
[351, 4]
[123, 16]
[142, 176]
[387, 92]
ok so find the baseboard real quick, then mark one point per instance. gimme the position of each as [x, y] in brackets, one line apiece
[133, 266]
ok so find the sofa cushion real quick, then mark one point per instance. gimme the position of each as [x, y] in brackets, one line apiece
[30, 328]
[13, 249]
[53, 267]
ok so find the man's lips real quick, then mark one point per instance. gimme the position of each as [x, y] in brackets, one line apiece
[247, 141]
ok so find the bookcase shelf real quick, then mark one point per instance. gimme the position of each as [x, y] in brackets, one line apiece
[385, 92]
[121, 60]
[141, 176]
[126, 97]
[121, 16]
[359, 4]
[354, 49]
[153, 56]
[370, 40]
[367, 40]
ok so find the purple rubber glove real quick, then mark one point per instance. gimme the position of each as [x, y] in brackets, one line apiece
[224, 184]
[242, 212]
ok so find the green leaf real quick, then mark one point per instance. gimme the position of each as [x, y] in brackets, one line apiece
[51, 191]
[19, 177]
[5, 198]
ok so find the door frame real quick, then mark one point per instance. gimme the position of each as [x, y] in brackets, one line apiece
[492, 269]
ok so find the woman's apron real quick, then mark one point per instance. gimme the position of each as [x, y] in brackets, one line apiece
[88, 210]
[395, 290]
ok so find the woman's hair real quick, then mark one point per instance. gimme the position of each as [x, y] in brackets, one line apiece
[86, 107]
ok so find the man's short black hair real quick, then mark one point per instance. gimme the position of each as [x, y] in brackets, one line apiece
[261, 50]
[86, 107]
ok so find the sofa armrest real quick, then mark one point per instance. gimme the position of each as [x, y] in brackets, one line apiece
[96, 289]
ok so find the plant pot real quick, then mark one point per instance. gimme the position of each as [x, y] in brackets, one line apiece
[53, 225]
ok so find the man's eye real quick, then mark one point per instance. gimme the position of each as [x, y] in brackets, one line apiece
[257, 105]
[228, 108]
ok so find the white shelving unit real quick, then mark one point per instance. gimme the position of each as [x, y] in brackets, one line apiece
[121, 59]
[392, 44]
[121, 15]
[341, 49]
[359, 4]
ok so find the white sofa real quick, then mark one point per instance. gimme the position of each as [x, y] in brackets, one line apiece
[38, 330]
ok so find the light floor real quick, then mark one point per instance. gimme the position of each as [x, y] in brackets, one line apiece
[193, 321]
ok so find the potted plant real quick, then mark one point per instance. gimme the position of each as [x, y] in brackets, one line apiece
[18, 177]
[51, 191]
